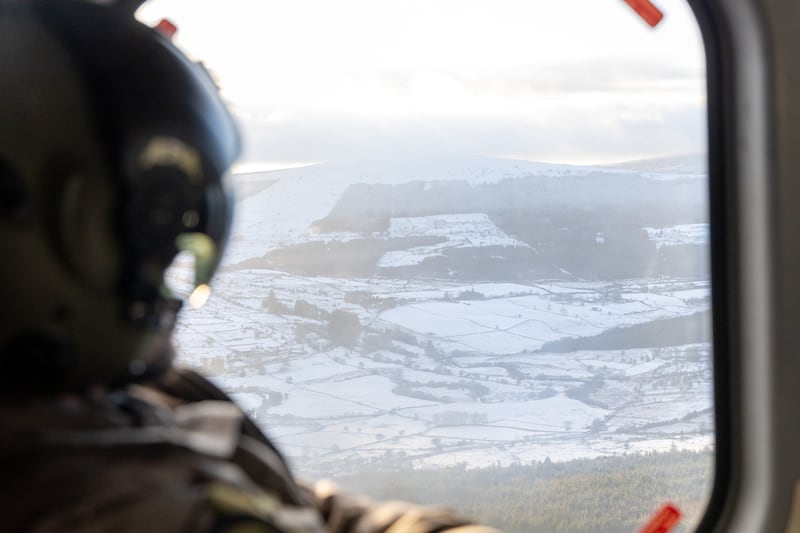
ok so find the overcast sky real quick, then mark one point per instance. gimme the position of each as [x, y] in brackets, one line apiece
[570, 81]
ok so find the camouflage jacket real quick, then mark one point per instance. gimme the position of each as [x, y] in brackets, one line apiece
[174, 456]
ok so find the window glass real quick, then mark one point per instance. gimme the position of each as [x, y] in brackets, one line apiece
[470, 259]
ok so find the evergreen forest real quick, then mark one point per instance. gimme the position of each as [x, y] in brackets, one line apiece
[607, 494]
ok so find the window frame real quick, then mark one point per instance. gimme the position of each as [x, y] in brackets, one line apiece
[751, 161]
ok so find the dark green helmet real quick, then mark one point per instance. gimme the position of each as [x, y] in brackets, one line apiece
[113, 148]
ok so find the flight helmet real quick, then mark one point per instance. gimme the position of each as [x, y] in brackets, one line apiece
[113, 152]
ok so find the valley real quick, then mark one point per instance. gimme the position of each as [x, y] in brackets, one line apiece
[384, 324]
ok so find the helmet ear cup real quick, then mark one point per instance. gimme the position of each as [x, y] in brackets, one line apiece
[78, 212]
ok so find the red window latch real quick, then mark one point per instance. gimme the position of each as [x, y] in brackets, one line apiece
[663, 521]
[647, 10]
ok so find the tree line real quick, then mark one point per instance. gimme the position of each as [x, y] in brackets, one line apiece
[609, 494]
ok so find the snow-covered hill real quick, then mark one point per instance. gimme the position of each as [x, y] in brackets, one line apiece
[278, 208]
[677, 166]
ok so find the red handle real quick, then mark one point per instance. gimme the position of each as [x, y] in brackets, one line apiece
[647, 10]
[664, 520]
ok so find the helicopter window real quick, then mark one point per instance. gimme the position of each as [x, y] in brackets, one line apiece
[470, 258]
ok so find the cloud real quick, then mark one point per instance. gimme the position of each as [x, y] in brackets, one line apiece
[568, 134]
[574, 81]
[572, 111]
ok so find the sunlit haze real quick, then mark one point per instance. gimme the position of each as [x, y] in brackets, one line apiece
[584, 81]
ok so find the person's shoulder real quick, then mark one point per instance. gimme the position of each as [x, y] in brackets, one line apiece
[141, 459]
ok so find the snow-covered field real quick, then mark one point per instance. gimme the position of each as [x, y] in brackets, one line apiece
[462, 381]
[511, 325]
[681, 234]
[440, 371]
[461, 230]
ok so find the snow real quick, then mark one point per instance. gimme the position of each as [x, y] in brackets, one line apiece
[480, 433]
[247, 400]
[554, 413]
[670, 167]
[486, 290]
[415, 295]
[692, 294]
[318, 368]
[493, 342]
[510, 325]
[387, 424]
[368, 389]
[643, 368]
[337, 402]
[326, 440]
[680, 234]
[489, 370]
[414, 256]
[497, 290]
[460, 230]
[303, 402]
